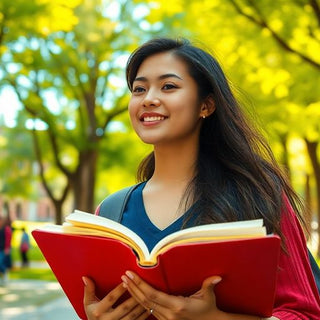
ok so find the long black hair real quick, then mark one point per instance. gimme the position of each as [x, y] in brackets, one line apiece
[237, 177]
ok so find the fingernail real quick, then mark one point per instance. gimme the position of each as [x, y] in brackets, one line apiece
[84, 281]
[124, 282]
[217, 280]
[124, 279]
[129, 274]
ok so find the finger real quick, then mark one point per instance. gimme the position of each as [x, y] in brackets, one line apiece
[111, 298]
[138, 312]
[128, 307]
[145, 294]
[89, 296]
[135, 291]
[145, 315]
[159, 311]
[208, 286]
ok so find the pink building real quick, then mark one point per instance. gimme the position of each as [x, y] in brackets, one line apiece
[24, 209]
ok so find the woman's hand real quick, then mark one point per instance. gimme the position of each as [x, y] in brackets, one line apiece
[102, 309]
[200, 306]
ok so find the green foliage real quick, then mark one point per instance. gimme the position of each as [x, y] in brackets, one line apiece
[68, 76]
[16, 162]
[39, 17]
[270, 54]
[66, 63]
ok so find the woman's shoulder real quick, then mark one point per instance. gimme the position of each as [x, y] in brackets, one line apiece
[113, 205]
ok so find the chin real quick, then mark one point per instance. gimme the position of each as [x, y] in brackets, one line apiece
[149, 139]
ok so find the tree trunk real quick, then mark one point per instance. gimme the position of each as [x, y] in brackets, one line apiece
[84, 179]
[312, 152]
[58, 210]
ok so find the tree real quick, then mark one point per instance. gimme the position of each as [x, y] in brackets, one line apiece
[270, 51]
[36, 19]
[68, 81]
[302, 40]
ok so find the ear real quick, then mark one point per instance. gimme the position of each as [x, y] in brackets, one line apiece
[208, 107]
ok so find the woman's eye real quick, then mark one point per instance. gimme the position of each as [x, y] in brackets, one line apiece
[138, 89]
[169, 86]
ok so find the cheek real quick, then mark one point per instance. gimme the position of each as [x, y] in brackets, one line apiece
[188, 109]
[132, 110]
[190, 119]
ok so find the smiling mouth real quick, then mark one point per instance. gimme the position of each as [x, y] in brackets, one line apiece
[153, 118]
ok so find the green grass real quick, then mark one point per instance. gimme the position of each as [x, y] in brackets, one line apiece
[32, 273]
[34, 254]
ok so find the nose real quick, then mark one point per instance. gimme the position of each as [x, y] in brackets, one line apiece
[151, 99]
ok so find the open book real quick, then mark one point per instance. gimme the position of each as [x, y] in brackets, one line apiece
[84, 223]
[240, 252]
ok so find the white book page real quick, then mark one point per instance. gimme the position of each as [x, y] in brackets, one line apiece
[240, 228]
[88, 220]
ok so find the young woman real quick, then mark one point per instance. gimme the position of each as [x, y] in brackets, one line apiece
[208, 165]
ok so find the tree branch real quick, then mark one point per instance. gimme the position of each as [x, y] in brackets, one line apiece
[64, 76]
[112, 115]
[316, 9]
[51, 133]
[41, 165]
[2, 30]
[54, 144]
[105, 81]
[261, 22]
[42, 176]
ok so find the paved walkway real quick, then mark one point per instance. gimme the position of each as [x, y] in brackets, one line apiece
[34, 300]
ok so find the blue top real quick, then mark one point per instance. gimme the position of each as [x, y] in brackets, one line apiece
[135, 218]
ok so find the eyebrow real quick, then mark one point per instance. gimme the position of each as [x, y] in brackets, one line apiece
[162, 77]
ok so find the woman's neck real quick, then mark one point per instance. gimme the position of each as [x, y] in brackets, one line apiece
[174, 164]
[164, 193]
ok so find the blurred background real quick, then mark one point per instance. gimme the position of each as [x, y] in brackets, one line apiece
[65, 137]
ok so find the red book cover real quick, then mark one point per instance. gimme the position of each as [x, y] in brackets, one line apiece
[248, 268]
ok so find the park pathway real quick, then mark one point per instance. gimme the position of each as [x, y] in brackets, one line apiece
[34, 300]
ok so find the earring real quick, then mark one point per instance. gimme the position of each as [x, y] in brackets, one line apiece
[203, 116]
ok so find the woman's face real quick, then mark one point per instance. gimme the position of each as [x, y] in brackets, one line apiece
[164, 106]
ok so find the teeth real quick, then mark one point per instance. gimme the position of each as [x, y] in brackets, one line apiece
[149, 119]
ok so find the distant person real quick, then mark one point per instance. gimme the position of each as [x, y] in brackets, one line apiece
[24, 248]
[8, 237]
[5, 246]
